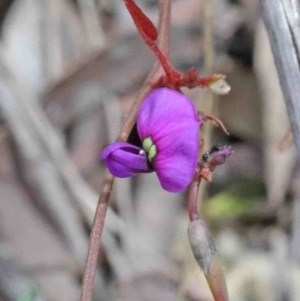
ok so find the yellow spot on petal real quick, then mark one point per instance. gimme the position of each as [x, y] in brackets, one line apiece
[147, 143]
[151, 152]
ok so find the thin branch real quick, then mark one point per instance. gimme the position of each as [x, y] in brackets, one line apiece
[208, 37]
[97, 229]
[193, 196]
[92, 24]
[40, 173]
[52, 142]
[209, 101]
[164, 27]
[282, 22]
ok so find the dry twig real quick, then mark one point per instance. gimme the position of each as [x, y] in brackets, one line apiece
[282, 22]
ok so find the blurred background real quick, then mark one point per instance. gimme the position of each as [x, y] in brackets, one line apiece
[69, 70]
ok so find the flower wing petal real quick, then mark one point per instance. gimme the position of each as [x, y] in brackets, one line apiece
[125, 160]
[176, 159]
[164, 111]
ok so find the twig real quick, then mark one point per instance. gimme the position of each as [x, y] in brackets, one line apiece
[196, 193]
[282, 18]
[53, 145]
[53, 46]
[193, 196]
[164, 27]
[119, 260]
[103, 202]
[282, 23]
[209, 101]
[41, 175]
[40, 143]
[208, 37]
[91, 21]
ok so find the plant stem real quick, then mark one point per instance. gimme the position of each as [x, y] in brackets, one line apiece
[164, 27]
[208, 67]
[209, 102]
[97, 228]
[193, 196]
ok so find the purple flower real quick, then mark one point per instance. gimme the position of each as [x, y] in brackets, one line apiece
[168, 127]
[217, 155]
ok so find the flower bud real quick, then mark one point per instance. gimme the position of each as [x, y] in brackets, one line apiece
[202, 244]
[220, 156]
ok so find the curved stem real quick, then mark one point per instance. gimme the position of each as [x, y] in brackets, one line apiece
[97, 229]
[193, 196]
[130, 120]
[95, 238]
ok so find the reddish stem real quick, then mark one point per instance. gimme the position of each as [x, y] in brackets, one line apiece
[172, 75]
[95, 238]
[216, 280]
[149, 34]
[193, 196]
[173, 78]
[98, 224]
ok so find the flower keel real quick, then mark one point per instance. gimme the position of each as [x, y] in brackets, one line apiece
[125, 160]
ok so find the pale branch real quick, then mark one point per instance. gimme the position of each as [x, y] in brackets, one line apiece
[282, 22]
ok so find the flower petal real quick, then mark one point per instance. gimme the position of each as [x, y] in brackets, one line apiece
[176, 159]
[125, 160]
[164, 111]
[170, 119]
